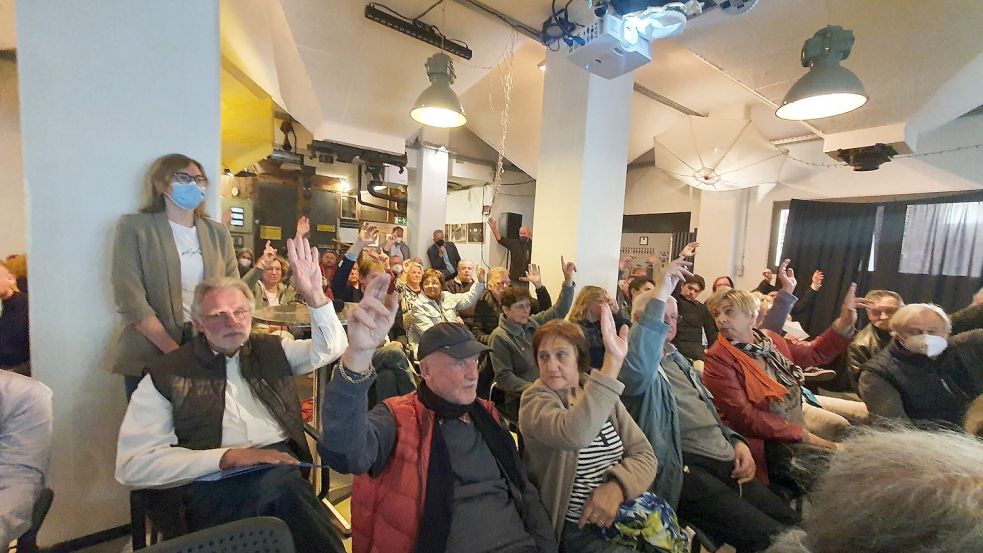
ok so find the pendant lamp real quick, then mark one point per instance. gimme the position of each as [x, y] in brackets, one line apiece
[828, 88]
[438, 105]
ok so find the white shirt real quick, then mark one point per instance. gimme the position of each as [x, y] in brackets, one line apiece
[25, 450]
[192, 264]
[146, 452]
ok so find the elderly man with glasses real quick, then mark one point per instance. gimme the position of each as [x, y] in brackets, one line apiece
[226, 400]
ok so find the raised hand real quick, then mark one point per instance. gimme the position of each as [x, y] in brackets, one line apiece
[670, 277]
[303, 227]
[817, 279]
[390, 242]
[626, 262]
[492, 223]
[482, 275]
[689, 250]
[269, 256]
[533, 275]
[368, 234]
[615, 343]
[307, 271]
[848, 312]
[786, 277]
[767, 274]
[369, 323]
[568, 268]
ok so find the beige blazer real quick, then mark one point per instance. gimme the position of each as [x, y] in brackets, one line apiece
[146, 279]
[555, 426]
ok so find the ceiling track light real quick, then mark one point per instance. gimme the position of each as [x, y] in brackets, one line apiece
[828, 88]
[418, 31]
[438, 105]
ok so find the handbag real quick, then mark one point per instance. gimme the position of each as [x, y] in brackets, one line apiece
[648, 524]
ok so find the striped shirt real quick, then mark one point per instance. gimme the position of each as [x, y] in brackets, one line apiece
[593, 462]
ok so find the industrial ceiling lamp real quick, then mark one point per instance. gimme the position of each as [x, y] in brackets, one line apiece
[438, 105]
[828, 89]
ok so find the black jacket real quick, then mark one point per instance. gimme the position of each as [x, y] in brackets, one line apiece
[694, 320]
[968, 318]
[939, 389]
[437, 262]
[520, 255]
[864, 346]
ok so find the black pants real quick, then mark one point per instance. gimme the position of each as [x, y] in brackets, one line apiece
[280, 492]
[747, 517]
[794, 466]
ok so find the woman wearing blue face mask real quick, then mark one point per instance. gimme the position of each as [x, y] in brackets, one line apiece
[924, 374]
[159, 257]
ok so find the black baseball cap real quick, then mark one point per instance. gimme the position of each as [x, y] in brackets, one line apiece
[454, 339]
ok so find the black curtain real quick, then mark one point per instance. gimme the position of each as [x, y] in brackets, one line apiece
[950, 292]
[835, 238]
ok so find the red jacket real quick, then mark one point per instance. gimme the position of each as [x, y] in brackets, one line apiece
[386, 509]
[722, 375]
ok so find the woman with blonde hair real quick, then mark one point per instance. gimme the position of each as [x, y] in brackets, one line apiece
[159, 257]
[586, 313]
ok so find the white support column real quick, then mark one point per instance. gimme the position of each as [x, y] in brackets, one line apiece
[106, 87]
[426, 206]
[580, 186]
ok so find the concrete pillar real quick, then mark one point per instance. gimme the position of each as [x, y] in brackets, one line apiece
[580, 186]
[426, 205]
[722, 234]
[106, 87]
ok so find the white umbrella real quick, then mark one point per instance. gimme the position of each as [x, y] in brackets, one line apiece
[717, 154]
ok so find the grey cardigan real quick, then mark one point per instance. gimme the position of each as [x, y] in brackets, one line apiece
[146, 280]
[556, 425]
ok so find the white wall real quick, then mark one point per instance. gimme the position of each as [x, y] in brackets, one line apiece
[106, 87]
[649, 190]
[464, 206]
[13, 225]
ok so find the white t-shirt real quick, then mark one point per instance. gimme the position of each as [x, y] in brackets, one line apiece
[192, 264]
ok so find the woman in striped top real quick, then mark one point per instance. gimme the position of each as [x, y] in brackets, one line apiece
[582, 448]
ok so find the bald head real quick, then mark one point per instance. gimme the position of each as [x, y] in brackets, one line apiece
[525, 233]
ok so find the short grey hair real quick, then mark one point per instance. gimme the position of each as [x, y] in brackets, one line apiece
[464, 261]
[921, 493]
[908, 312]
[219, 283]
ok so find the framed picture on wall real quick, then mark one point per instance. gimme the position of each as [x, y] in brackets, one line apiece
[643, 240]
[476, 233]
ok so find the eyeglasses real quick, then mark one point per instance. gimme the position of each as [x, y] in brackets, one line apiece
[238, 316]
[184, 178]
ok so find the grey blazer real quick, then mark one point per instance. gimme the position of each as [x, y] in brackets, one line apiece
[146, 279]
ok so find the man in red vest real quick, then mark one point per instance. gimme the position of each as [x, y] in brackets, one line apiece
[437, 470]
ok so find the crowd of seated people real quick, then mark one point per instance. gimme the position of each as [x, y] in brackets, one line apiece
[623, 438]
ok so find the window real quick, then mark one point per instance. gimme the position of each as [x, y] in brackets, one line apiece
[782, 222]
[943, 239]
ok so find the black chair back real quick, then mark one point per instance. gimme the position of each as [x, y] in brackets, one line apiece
[250, 535]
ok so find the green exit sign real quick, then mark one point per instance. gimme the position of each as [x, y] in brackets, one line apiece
[400, 220]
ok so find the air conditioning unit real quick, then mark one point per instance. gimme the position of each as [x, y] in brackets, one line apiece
[608, 48]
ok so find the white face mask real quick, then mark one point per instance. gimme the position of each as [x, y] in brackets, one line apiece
[245, 262]
[926, 344]
[397, 269]
[399, 239]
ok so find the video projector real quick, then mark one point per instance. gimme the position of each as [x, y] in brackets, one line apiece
[615, 44]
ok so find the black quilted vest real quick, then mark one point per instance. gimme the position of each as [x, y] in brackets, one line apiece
[192, 378]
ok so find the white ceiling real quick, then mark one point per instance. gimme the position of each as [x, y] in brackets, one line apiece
[353, 80]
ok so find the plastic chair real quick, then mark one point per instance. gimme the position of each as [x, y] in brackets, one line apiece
[28, 542]
[250, 535]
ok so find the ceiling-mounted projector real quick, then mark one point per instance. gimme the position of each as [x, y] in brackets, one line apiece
[615, 44]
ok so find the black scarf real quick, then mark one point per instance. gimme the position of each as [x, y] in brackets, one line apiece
[435, 524]
[787, 373]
